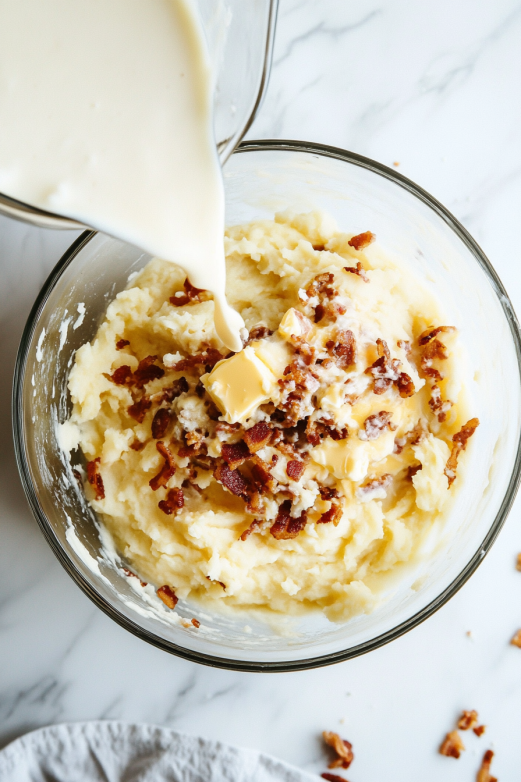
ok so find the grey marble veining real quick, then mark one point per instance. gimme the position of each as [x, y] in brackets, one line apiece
[435, 88]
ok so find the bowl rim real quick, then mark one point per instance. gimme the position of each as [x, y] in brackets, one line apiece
[319, 150]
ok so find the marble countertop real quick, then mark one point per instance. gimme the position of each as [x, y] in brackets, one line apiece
[434, 87]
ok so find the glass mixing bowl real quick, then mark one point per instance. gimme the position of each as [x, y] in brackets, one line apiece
[260, 178]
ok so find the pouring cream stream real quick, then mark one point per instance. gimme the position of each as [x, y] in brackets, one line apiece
[106, 117]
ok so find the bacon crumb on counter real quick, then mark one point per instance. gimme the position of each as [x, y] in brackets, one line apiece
[95, 479]
[479, 730]
[452, 746]
[516, 640]
[359, 270]
[468, 720]
[484, 774]
[196, 622]
[333, 777]
[459, 443]
[342, 748]
[361, 241]
[168, 596]
[518, 562]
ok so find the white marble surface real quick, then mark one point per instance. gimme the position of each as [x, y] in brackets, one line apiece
[434, 86]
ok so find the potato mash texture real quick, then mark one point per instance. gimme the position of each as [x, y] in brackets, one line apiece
[299, 473]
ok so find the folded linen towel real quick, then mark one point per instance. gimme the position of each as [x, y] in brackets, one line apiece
[108, 751]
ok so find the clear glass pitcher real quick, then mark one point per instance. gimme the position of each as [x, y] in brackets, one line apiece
[240, 37]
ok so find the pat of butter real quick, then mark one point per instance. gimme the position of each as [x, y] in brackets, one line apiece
[276, 355]
[238, 385]
[293, 324]
[351, 458]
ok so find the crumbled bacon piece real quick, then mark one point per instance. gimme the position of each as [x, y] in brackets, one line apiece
[412, 470]
[95, 479]
[294, 469]
[479, 730]
[284, 527]
[317, 430]
[321, 285]
[518, 562]
[213, 581]
[484, 774]
[174, 500]
[319, 247]
[138, 410]
[191, 295]
[437, 405]
[130, 574]
[387, 371]
[196, 623]
[452, 745]
[167, 470]
[327, 493]
[405, 345]
[232, 480]
[209, 358]
[459, 443]
[178, 387]
[122, 343]
[261, 475]
[375, 425]
[122, 376]
[258, 436]
[430, 334]
[516, 640]
[358, 269]
[334, 514]
[468, 720]
[137, 445]
[343, 349]
[200, 390]
[332, 777]
[235, 454]
[382, 482]
[254, 526]
[343, 749]
[168, 596]
[160, 423]
[361, 241]
[320, 311]
[258, 332]
[147, 371]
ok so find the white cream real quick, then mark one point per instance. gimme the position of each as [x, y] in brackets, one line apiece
[106, 117]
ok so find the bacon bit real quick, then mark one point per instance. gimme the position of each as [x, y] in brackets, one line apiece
[168, 596]
[316, 430]
[361, 241]
[358, 269]
[382, 482]
[196, 448]
[431, 351]
[160, 423]
[122, 343]
[174, 500]
[412, 470]
[417, 434]
[122, 376]
[375, 424]
[321, 285]
[167, 470]
[429, 334]
[178, 387]
[138, 410]
[387, 371]
[258, 332]
[437, 405]
[222, 426]
[284, 527]
[320, 311]
[261, 475]
[334, 514]
[328, 493]
[516, 640]
[147, 371]
[95, 479]
[217, 582]
[235, 454]
[405, 345]
[459, 443]
[130, 574]
[343, 348]
[484, 774]
[254, 526]
[332, 777]
[196, 623]
[479, 730]
[258, 436]
[343, 748]
[137, 445]
[190, 296]
[518, 562]
[232, 480]
[209, 358]
[319, 247]
[468, 719]
[294, 469]
[452, 746]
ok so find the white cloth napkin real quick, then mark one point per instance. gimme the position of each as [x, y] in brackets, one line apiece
[122, 752]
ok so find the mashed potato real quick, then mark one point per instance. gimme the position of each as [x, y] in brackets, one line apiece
[298, 473]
